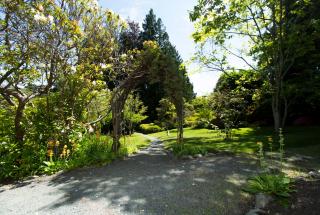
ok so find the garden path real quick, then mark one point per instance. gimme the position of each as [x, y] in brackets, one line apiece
[149, 182]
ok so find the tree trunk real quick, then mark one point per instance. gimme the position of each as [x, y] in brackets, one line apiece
[19, 130]
[116, 126]
[276, 112]
[117, 106]
[180, 123]
[285, 112]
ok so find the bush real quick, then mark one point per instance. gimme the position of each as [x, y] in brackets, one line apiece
[276, 185]
[149, 128]
[92, 150]
[33, 158]
[188, 150]
[17, 163]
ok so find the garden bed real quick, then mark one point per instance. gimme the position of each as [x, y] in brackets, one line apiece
[305, 201]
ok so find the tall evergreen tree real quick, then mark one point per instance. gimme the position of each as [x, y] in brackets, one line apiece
[151, 94]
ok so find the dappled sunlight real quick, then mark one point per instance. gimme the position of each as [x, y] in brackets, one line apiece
[139, 183]
[176, 172]
[229, 192]
[236, 179]
[151, 181]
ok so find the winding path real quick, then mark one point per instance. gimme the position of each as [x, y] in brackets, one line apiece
[149, 182]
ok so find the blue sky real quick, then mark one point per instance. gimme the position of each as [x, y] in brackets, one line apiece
[174, 15]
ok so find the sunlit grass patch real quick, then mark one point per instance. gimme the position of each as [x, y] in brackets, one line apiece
[244, 140]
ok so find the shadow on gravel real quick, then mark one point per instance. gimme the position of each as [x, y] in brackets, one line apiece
[153, 183]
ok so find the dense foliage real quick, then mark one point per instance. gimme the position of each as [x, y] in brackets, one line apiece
[63, 67]
[280, 37]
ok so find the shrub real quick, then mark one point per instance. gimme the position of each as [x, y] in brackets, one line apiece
[92, 150]
[187, 150]
[195, 121]
[149, 128]
[17, 163]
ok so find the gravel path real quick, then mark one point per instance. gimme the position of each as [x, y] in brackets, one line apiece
[150, 182]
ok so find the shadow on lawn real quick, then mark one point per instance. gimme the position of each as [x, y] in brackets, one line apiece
[154, 183]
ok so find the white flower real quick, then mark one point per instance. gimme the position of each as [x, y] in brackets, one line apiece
[94, 4]
[103, 66]
[73, 69]
[39, 17]
[79, 135]
[94, 83]
[42, 65]
[50, 19]
[91, 129]
[123, 56]
[70, 43]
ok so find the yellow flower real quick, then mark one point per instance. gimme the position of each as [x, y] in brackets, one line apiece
[57, 143]
[74, 146]
[259, 143]
[50, 143]
[50, 153]
[40, 7]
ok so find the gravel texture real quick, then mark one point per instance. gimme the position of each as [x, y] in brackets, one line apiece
[150, 182]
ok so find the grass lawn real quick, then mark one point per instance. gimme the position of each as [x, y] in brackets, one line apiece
[131, 144]
[305, 140]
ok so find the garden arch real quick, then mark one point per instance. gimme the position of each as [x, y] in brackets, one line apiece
[155, 67]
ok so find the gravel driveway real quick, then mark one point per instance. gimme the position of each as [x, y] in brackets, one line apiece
[150, 182]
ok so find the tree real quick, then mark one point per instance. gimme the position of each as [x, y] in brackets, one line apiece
[154, 30]
[228, 107]
[130, 38]
[166, 114]
[268, 28]
[31, 53]
[49, 46]
[152, 93]
[203, 112]
[134, 111]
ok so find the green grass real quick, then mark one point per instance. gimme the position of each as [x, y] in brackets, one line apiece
[131, 144]
[245, 140]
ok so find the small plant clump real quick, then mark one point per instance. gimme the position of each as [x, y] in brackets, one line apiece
[180, 151]
[275, 184]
